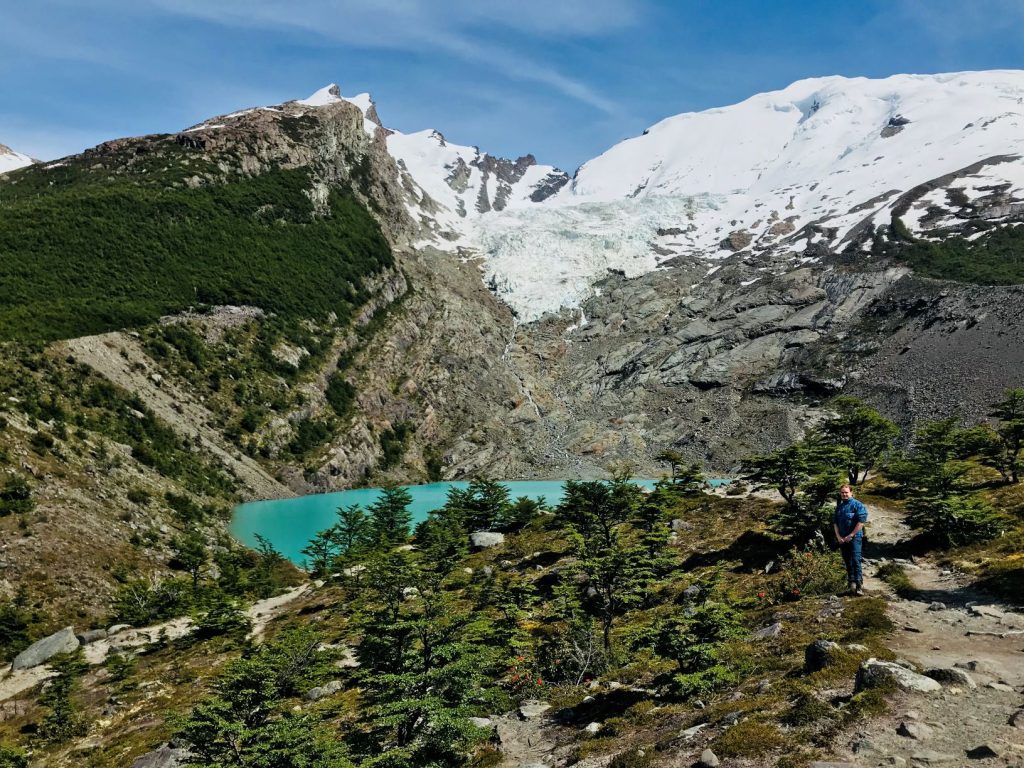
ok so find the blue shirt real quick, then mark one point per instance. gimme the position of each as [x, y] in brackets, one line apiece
[848, 514]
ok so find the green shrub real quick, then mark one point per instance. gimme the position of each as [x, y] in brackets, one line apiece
[896, 577]
[811, 572]
[340, 395]
[15, 497]
[748, 738]
[12, 758]
[955, 520]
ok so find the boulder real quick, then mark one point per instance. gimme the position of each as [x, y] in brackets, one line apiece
[162, 757]
[914, 729]
[42, 650]
[485, 539]
[91, 636]
[984, 751]
[766, 633]
[873, 673]
[931, 757]
[951, 676]
[1017, 719]
[708, 759]
[116, 628]
[482, 722]
[592, 728]
[323, 691]
[819, 654]
[531, 709]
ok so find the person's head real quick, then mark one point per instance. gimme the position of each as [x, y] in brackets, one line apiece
[845, 492]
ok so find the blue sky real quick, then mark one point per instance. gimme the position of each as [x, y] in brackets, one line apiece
[562, 79]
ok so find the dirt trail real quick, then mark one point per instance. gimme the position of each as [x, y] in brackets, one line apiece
[260, 613]
[946, 625]
[121, 359]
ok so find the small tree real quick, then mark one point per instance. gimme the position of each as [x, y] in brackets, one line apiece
[686, 479]
[596, 511]
[12, 758]
[189, 554]
[64, 721]
[390, 517]
[322, 552]
[863, 430]
[352, 533]
[15, 497]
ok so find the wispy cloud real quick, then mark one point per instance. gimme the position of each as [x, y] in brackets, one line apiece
[462, 28]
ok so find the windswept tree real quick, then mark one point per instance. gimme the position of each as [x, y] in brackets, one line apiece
[864, 431]
[807, 475]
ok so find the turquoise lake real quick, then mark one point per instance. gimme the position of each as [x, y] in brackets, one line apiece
[289, 524]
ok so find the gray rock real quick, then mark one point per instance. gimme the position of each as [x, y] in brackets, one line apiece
[692, 731]
[692, 592]
[116, 628]
[531, 709]
[486, 539]
[732, 718]
[481, 722]
[708, 759]
[984, 751]
[41, 650]
[1017, 719]
[819, 654]
[931, 757]
[951, 676]
[873, 673]
[974, 665]
[766, 633]
[162, 757]
[913, 729]
[831, 764]
[1001, 687]
[91, 636]
[593, 728]
[323, 691]
[937, 606]
[856, 648]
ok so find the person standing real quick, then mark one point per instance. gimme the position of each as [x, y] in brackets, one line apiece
[848, 524]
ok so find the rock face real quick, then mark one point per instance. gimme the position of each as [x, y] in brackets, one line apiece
[873, 673]
[42, 650]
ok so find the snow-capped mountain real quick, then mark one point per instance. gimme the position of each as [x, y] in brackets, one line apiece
[11, 160]
[817, 162]
[447, 184]
[797, 174]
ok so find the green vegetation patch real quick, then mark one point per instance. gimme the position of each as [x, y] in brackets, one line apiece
[994, 258]
[85, 258]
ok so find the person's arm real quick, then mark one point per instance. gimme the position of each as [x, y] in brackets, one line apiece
[835, 525]
[856, 529]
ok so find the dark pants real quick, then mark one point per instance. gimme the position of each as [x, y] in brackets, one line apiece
[851, 556]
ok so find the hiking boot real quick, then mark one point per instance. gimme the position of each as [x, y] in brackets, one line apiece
[859, 591]
[851, 588]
